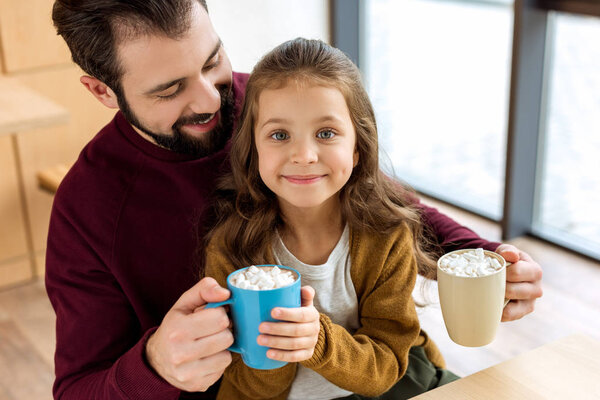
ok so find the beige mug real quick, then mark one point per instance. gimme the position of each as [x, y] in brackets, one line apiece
[472, 306]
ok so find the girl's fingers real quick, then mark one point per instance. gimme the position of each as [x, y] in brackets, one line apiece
[307, 293]
[299, 314]
[290, 356]
[291, 329]
[285, 343]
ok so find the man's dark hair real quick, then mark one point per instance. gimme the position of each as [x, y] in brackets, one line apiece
[94, 28]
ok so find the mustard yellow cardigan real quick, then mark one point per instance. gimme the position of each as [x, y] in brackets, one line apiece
[368, 362]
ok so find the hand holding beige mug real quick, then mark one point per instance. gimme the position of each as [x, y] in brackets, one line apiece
[471, 285]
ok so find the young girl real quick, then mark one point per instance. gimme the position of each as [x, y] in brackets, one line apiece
[306, 191]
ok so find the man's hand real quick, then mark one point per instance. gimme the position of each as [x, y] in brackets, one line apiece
[188, 349]
[523, 282]
[295, 339]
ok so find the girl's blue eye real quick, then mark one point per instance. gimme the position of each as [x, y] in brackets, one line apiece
[279, 135]
[325, 134]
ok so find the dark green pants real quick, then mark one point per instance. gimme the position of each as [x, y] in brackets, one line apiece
[420, 377]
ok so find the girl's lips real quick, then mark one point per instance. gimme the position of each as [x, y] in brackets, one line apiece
[303, 179]
[206, 127]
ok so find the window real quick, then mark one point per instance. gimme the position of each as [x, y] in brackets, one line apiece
[438, 75]
[568, 200]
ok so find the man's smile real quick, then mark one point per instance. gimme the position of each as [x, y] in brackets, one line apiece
[205, 125]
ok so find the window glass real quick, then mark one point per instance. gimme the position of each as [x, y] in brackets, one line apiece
[438, 75]
[569, 186]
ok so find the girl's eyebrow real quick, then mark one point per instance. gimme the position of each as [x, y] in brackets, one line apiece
[274, 121]
[325, 118]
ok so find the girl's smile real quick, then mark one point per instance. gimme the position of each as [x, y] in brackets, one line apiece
[303, 179]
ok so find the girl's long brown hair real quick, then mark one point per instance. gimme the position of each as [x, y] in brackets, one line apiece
[248, 212]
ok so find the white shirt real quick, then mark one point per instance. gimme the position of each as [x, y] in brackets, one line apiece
[336, 297]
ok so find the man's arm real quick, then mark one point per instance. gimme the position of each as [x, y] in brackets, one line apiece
[99, 345]
[450, 235]
[101, 352]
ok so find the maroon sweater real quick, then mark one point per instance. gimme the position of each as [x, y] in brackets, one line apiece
[121, 250]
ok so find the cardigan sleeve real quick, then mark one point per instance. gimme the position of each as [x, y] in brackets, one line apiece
[375, 357]
[239, 381]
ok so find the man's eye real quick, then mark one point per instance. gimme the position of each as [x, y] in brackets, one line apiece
[279, 135]
[326, 134]
[214, 64]
[170, 92]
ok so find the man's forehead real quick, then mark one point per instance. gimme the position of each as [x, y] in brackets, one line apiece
[153, 58]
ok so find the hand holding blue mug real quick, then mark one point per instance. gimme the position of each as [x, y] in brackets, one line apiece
[293, 339]
[250, 308]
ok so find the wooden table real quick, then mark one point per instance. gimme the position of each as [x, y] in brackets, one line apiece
[568, 368]
[21, 110]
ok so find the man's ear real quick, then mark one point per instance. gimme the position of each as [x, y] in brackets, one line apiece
[103, 93]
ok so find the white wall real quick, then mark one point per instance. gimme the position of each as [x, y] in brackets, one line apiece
[250, 28]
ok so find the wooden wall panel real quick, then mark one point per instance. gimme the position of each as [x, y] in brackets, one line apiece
[12, 231]
[31, 51]
[28, 38]
[2, 69]
[44, 148]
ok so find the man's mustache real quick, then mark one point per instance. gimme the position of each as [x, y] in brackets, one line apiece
[225, 92]
[192, 119]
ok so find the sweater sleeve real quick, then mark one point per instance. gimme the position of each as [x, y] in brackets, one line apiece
[240, 381]
[375, 357]
[450, 235]
[100, 350]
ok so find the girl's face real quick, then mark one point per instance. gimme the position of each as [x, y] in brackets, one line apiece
[305, 141]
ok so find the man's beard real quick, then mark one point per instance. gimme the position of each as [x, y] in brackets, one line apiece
[180, 142]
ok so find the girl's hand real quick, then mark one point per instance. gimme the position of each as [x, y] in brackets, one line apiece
[295, 339]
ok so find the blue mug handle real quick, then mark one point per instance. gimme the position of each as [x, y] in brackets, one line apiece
[233, 347]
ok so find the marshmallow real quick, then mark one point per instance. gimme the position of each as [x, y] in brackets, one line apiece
[471, 263]
[263, 278]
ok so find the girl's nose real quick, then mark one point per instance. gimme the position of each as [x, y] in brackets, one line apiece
[304, 153]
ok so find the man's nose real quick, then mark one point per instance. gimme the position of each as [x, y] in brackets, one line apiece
[206, 98]
[304, 152]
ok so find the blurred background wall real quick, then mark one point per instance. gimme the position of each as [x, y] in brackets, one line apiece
[31, 52]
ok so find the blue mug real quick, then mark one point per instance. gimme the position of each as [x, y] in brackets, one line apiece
[249, 308]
